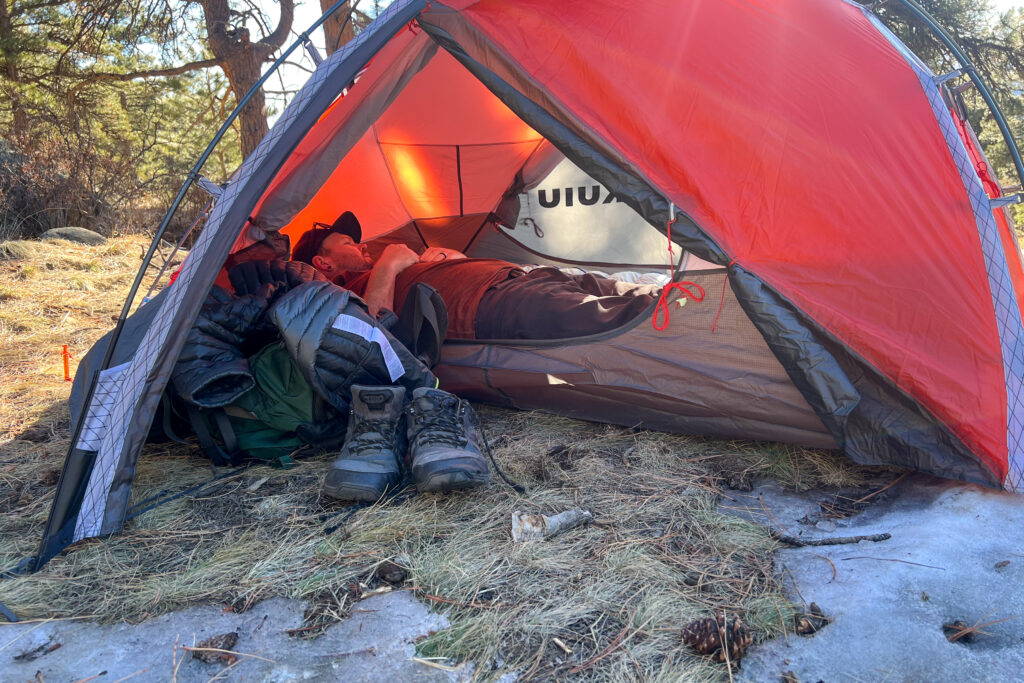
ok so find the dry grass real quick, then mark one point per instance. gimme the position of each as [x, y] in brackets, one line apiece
[616, 593]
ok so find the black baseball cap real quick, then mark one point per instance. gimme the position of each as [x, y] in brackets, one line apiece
[307, 246]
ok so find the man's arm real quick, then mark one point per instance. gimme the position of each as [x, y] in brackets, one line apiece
[380, 288]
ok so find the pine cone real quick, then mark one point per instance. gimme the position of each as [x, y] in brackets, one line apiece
[707, 635]
[811, 621]
[207, 650]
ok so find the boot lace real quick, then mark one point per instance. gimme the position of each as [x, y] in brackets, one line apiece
[372, 433]
[440, 424]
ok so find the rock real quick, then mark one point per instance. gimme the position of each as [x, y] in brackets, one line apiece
[389, 572]
[71, 234]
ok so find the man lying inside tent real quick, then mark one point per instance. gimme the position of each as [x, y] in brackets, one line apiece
[485, 298]
[290, 358]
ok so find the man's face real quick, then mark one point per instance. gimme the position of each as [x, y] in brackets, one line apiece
[340, 254]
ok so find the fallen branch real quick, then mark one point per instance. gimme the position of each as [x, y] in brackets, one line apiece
[839, 540]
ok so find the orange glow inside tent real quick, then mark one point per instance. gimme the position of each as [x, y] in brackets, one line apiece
[445, 148]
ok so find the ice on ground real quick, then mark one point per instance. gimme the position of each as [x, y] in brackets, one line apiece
[375, 644]
[956, 553]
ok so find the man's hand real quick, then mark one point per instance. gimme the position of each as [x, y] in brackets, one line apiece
[440, 254]
[380, 288]
[396, 258]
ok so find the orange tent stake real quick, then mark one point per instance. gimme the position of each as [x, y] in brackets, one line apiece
[67, 370]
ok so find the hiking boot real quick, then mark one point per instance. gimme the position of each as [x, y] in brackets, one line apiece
[444, 445]
[368, 465]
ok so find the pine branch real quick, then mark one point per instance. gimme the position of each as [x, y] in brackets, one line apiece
[284, 26]
[150, 73]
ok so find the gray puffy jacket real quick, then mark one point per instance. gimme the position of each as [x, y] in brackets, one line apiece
[328, 331]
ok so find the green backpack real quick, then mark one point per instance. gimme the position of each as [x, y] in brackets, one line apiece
[282, 414]
[262, 423]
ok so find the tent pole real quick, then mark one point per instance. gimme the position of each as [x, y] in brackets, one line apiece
[975, 77]
[193, 175]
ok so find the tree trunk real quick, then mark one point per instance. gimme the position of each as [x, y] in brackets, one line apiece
[243, 69]
[19, 118]
[333, 32]
[242, 61]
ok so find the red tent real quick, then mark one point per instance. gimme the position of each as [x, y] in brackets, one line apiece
[870, 291]
[799, 137]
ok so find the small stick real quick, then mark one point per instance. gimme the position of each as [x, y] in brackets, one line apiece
[604, 653]
[536, 661]
[886, 487]
[446, 601]
[91, 678]
[131, 675]
[835, 572]
[304, 629]
[338, 655]
[612, 646]
[889, 559]
[434, 665]
[840, 540]
[565, 648]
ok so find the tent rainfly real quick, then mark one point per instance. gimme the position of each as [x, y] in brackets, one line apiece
[863, 284]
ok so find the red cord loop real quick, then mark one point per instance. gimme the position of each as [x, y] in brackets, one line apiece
[663, 305]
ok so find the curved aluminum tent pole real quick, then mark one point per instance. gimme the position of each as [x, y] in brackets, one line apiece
[975, 77]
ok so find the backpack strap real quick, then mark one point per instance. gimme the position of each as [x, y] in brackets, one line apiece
[220, 456]
[423, 324]
[167, 415]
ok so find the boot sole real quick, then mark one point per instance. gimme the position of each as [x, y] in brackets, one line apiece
[361, 486]
[454, 474]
